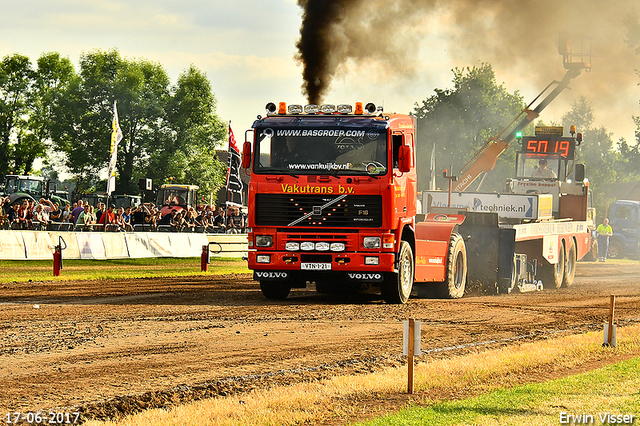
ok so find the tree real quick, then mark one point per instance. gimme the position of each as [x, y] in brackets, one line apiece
[16, 81]
[461, 120]
[167, 131]
[597, 152]
[199, 131]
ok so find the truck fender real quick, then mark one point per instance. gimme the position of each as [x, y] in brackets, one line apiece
[432, 246]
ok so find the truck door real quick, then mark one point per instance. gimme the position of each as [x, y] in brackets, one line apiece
[405, 184]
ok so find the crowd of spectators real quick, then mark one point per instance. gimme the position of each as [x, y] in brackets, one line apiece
[82, 216]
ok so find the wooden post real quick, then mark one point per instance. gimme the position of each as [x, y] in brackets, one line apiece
[410, 356]
[612, 307]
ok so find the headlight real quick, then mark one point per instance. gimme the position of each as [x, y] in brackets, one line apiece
[337, 247]
[322, 246]
[292, 246]
[263, 240]
[371, 260]
[372, 242]
[263, 258]
[307, 246]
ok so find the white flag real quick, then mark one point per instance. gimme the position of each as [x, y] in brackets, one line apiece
[116, 137]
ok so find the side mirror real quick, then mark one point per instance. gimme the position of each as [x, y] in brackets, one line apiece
[580, 172]
[246, 155]
[405, 159]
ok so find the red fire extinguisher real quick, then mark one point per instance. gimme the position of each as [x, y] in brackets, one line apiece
[205, 258]
[57, 257]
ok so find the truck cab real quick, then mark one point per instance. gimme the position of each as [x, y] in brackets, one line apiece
[624, 219]
[176, 197]
[546, 164]
[332, 199]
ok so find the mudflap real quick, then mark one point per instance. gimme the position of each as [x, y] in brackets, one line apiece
[507, 260]
[490, 252]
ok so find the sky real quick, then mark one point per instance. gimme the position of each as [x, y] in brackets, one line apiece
[247, 48]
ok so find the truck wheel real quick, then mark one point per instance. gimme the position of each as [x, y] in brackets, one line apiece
[552, 275]
[275, 290]
[397, 287]
[506, 285]
[616, 250]
[592, 255]
[456, 281]
[570, 266]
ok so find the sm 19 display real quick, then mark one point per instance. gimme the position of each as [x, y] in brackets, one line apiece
[549, 147]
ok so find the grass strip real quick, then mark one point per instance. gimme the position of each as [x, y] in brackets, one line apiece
[587, 398]
[42, 270]
[495, 372]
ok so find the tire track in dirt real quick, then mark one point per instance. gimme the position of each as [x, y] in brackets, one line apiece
[109, 348]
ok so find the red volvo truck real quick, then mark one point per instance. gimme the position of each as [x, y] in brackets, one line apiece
[333, 201]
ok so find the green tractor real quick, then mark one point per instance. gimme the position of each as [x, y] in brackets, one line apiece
[19, 188]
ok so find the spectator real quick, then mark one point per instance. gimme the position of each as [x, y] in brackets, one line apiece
[119, 218]
[56, 213]
[90, 218]
[40, 219]
[13, 216]
[81, 221]
[604, 231]
[235, 222]
[219, 219]
[99, 211]
[108, 219]
[201, 220]
[25, 215]
[66, 214]
[137, 216]
[151, 217]
[76, 212]
[190, 220]
[177, 220]
[165, 221]
[4, 218]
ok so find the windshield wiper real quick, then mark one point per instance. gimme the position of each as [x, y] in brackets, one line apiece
[280, 170]
[363, 172]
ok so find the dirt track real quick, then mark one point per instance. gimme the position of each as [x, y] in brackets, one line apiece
[112, 347]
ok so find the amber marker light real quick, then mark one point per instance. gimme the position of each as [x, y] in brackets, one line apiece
[282, 108]
[359, 109]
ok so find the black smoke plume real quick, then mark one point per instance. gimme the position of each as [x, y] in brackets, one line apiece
[385, 41]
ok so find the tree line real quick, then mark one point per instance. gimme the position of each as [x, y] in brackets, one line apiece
[173, 130]
[460, 120]
[52, 111]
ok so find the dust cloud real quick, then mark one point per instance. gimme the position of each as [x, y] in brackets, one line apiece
[516, 37]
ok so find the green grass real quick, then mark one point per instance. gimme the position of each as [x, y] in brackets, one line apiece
[611, 389]
[42, 270]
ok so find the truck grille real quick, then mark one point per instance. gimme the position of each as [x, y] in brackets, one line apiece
[362, 211]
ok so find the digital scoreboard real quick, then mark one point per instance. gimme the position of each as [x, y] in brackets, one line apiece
[549, 146]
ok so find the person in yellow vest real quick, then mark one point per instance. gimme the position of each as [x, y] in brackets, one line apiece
[604, 231]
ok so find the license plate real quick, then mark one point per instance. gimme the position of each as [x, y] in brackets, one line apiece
[315, 266]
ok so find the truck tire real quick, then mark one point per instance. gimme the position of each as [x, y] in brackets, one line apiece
[570, 265]
[456, 280]
[397, 286]
[592, 255]
[275, 290]
[552, 275]
[616, 250]
[506, 285]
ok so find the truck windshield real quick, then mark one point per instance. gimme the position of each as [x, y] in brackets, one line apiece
[172, 197]
[321, 151]
[33, 187]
